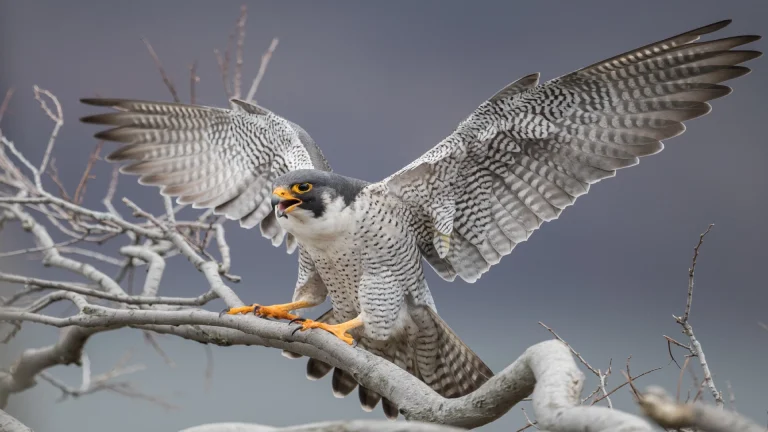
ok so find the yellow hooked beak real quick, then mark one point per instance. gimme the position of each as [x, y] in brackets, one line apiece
[284, 202]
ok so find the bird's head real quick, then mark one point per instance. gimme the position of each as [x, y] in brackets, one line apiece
[311, 194]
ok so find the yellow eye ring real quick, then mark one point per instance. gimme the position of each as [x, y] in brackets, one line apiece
[301, 188]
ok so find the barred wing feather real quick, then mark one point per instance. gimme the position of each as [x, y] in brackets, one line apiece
[529, 151]
[210, 157]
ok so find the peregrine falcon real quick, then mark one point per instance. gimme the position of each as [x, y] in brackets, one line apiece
[517, 161]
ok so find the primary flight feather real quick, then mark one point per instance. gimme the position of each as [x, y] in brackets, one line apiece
[518, 160]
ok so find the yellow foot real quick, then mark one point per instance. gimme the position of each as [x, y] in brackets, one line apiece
[338, 330]
[277, 311]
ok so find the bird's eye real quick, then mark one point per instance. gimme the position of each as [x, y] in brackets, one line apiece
[302, 187]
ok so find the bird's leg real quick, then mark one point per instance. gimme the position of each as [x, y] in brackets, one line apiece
[279, 311]
[338, 330]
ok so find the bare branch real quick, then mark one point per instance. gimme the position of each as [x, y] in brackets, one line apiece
[603, 379]
[547, 368]
[695, 347]
[193, 80]
[38, 249]
[150, 339]
[265, 58]
[117, 297]
[624, 384]
[691, 271]
[581, 359]
[67, 350]
[161, 69]
[53, 173]
[223, 62]
[221, 241]
[58, 120]
[657, 405]
[10, 424]
[110, 195]
[529, 422]
[6, 102]
[334, 426]
[80, 190]
[237, 80]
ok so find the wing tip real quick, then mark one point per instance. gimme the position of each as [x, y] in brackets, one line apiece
[337, 394]
[92, 119]
[715, 26]
[98, 101]
[290, 355]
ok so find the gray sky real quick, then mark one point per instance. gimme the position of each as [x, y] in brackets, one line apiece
[377, 84]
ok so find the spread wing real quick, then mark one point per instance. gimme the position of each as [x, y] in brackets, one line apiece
[530, 150]
[210, 157]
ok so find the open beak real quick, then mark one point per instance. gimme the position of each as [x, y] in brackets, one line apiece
[283, 201]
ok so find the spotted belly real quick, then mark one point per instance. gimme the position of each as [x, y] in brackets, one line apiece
[340, 271]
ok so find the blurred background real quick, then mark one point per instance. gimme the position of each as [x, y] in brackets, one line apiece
[376, 85]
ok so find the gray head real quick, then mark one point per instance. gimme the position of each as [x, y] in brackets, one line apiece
[312, 190]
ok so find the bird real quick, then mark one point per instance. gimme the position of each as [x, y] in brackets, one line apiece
[522, 157]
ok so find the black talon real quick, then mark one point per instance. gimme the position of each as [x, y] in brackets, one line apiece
[223, 312]
[295, 330]
[296, 320]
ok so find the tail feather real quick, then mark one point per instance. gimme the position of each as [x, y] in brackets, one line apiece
[368, 399]
[390, 409]
[429, 350]
[342, 383]
[459, 370]
[317, 369]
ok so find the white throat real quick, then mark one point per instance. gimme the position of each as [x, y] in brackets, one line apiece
[337, 220]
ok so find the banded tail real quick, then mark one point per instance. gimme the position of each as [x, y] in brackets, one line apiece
[430, 351]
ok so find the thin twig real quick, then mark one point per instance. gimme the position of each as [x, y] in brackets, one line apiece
[691, 271]
[673, 341]
[58, 120]
[91, 254]
[193, 80]
[53, 173]
[603, 380]
[265, 58]
[581, 359]
[6, 102]
[149, 338]
[160, 68]
[237, 80]
[80, 190]
[223, 62]
[624, 384]
[529, 424]
[696, 348]
[38, 249]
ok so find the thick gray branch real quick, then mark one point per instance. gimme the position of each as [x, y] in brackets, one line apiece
[335, 426]
[121, 298]
[706, 418]
[67, 350]
[548, 366]
[10, 424]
